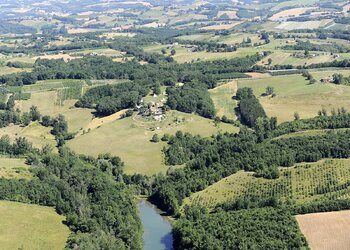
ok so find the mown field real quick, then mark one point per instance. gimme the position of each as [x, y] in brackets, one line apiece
[326, 230]
[40, 227]
[129, 138]
[295, 94]
[14, 168]
[324, 180]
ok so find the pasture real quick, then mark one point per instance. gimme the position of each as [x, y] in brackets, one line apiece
[38, 135]
[24, 226]
[324, 180]
[222, 98]
[291, 25]
[295, 94]
[186, 55]
[129, 138]
[7, 70]
[53, 102]
[287, 58]
[14, 168]
[325, 231]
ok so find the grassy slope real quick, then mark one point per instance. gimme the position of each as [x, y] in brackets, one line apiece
[129, 138]
[14, 168]
[295, 94]
[38, 135]
[31, 227]
[222, 98]
[300, 184]
[46, 103]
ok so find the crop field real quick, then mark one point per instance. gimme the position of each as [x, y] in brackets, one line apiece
[14, 168]
[295, 94]
[291, 25]
[326, 230]
[129, 138]
[24, 226]
[221, 26]
[324, 180]
[287, 58]
[293, 3]
[65, 57]
[230, 13]
[185, 55]
[222, 98]
[289, 12]
[312, 132]
[49, 85]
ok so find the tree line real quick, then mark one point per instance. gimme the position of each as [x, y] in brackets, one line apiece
[99, 208]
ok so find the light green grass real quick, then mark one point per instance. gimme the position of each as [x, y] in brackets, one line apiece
[223, 101]
[24, 226]
[313, 132]
[7, 70]
[48, 85]
[302, 183]
[38, 135]
[287, 58]
[293, 3]
[47, 103]
[14, 168]
[185, 55]
[294, 94]
[129, 139]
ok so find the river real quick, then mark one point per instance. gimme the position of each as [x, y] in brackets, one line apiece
[157, 233]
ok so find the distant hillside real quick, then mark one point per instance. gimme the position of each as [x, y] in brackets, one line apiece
[6, 28]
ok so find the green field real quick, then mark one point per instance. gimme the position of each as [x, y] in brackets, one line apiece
[129, 139]
[7, 70]
[185, 55]
[14, 168]
[287, 58]
[295, 94]
[222, 98]
[293, 3]
[24, 226]
[38, 135]
[325, 180]
[48, 104]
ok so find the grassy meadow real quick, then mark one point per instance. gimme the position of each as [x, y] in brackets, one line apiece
[222, 98]
[38, 135]
[14, 168]
[327, 179]
[40, 227]
[129, 138]
[295, 94]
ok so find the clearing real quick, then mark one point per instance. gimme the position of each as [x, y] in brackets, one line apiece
[222, 98]
[38, 135]
[295, 94]
[325, 231]
[14, 168]
[24, 226]
[129, 138]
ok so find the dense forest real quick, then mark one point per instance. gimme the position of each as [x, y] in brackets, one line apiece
[99, 208]
[226, 154]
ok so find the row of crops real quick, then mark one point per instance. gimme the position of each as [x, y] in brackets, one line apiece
[326, 180]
